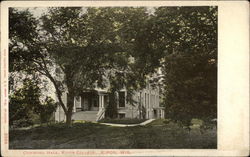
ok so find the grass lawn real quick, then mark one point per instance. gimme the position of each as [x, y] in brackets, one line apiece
[159, 134]
[123, 121]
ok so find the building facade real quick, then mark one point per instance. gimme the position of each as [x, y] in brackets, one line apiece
[91, 105]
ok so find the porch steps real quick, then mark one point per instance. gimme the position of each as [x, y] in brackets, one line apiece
[85, 115]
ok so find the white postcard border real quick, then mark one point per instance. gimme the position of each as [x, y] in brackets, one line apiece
[233, 81]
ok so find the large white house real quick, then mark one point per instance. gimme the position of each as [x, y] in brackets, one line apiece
[90, 105]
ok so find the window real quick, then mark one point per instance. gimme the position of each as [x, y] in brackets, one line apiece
[121, 115]
[77, 98]
[121, 99]
[155, 113]
[106, 100]
[148, 101]
[152, 100]
[96, 102]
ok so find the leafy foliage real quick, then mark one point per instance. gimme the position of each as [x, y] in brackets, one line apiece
[188, 40]
[22, 35]
[45, 110]
[123, 47]
[26, 108]
[22, 103]
[111, 110]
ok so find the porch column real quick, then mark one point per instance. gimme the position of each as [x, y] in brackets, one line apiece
[74, 108]
[100, 101]
[155, 100]
[80, 102]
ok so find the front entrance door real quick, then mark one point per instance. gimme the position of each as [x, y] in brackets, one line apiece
[155, 113]
[90, 102]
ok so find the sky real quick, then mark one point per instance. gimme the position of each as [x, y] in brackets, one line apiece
[38, 11]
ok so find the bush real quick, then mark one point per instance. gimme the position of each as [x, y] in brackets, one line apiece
[22, 123]
[22, 102]
[46, 110]
[26, 108]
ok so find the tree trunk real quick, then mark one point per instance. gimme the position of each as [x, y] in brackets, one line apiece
[69, 118]
[58, 92]
[140, 110]
[70, 105]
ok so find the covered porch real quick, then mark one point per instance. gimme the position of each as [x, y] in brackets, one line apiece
[90, 101]
[158, 112]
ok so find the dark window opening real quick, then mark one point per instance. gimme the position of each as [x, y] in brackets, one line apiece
[148, 101]
[106, 100]
[155, 113]
[121, 115]
[121, 99]
[96, 102]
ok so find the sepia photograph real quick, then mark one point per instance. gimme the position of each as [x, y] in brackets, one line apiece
[113, 77]
[121, 79]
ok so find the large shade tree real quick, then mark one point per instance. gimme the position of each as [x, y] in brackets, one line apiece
[80, 46]
[92, 45]
[79, 49]
[186, 37]
[85, 47]
[26, 84]
[182, 43]
[22, 37]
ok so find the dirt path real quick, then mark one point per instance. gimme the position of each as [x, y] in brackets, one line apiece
[129, 125]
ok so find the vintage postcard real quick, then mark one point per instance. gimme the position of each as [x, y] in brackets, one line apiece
[124, 78]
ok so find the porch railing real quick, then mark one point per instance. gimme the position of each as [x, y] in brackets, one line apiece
[100, 114]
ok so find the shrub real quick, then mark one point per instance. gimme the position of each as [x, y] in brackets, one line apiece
[26, 108]
[21, 104]
[46, 110]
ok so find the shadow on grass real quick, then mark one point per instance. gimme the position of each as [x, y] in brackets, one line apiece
[160, 134]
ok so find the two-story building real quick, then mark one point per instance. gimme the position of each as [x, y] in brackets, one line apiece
[90, 105]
